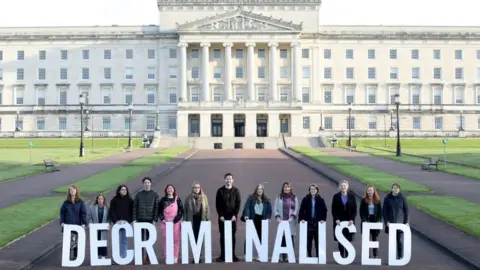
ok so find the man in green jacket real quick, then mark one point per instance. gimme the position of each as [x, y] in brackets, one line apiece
[145, 209]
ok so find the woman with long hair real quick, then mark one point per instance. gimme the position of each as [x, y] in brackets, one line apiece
[371, 211]
[171, 210]
[344, 208]
[312, 210]
[196, 209]
[286, 209]
[98, 213]
[73, 212]
[395, 210]
[121, 212]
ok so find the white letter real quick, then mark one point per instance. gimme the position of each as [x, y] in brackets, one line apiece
[81, 239]
[204, 235]
[392, 244]
[251, 238]
[116, 243]
[283, 229]
[347, 245]
[95, 244]
[148, 244]
[302, 246]
[228, 241]
[367, 244]
[169, 243]
[322, 243]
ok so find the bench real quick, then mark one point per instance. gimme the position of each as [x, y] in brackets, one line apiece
[429, 164]
[353, 148]
[49, 164]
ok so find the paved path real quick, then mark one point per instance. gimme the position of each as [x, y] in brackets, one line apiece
[39, 185]
[270, 167]
[440, 182]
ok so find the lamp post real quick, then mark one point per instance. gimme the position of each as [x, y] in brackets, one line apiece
[391, 121]
[82, 102]
[130, 111]
[461, 121]
[397, 103]
[17, 121]
[321, 122]
[157, 126]
[349, 124]
[87, 116]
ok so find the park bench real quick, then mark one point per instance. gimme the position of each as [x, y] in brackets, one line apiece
[50, 165]
[429, 164]
[353, 148]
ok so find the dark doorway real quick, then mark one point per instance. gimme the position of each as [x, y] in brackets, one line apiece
[217, 125]
[193, 125]
[262, 127]
[239, 127]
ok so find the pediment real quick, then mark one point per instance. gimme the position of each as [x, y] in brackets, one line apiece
[239, 20]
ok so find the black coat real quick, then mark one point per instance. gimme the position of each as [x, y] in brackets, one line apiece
[73, 213]
[343, 213]
[364, 214]
[227, 202]
[121, 208]
[305, 212]
[395, 210]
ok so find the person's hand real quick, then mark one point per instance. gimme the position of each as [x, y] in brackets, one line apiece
[290, 219]
[388, 224]
[302, 221]
[61, 225]
[222, 219]
[279, 219]
[322, 221]
[338, 222]
[83, 226]
[246, 218]
[234, 218]
[350, 223]
[163, 221]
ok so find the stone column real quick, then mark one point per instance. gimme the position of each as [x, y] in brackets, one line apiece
[273, 71]
[273, 124]
[250, 124]
[205, 71]
[297, 76]
[227, 123]
[228, 71]
[205, 125]
[183, 71]
[250, 71]
[182, 124]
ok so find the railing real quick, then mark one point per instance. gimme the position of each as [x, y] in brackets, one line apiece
[403, 134]
[72, 134]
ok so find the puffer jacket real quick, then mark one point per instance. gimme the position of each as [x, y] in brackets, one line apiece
[145, 207]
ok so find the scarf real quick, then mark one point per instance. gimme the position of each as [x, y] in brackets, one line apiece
[288, 204]
[197, 203]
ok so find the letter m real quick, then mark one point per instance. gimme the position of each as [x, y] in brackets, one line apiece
[188, 239]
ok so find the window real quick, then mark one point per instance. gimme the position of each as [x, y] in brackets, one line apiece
[195, 72]
[151, 54]
[41, 96]
[63, 55]
[350, 124]
[19, 95]
[372, 94]
[416, 91]
[217, 94]
[20, 74]
[85, 92]
[62, 123]
[305, 53]
[416, 123]
[194, 94]
[40, 123]
[128, 73]
[306, 72]
[437, 95]
[415, 73]
[19, 124]
[85, 54]
[438, 123]
[393, 90]
[415, 54]
[436, 54]
[129, 54]
[106, 123]
[306, 122]
[478, 74]
[284, 94]
[107, 73]
[478, 54]
[1, 55]
[327, 73]
[372, 73]
[478, 95]
[372, 123]
[261, 72]
[42, 74]
[128, 95]
[350, 94]
[437, 73]
[1, 95]
[261, 53]
[1, 74]
[239, 53]
[371, 54]
[349, 73]
[173, 53]
[172, 122]
[20, 55]
[106, 94]
[85, 74]
[217, 73]
[172, 71]
[458, 73]
[63, 74]
[63, 96]
[327, 54]
[393, 54]
[459, 93]
[305, 95]
[327, 94]
[151, 73]
[151, 95]
[283, 53]
[458, 54]
[126, 122]
[262, 94]
[107, 54]
[328, 123]
[239, 72]
[172, 95]
[239, 94]
[195, 53]
[283, 72]
[42, 55]
[349, 54]
[217, 54]
[151, 123]
[394, 73]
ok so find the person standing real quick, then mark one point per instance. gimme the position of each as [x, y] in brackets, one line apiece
[371, 211]
[227, 202]
[312, 210]
[73, 212]
[121, 212]
[170, 209]
[395, 210]
[344, 208]
[145, 209]
[286, 209]
[99, 214]
[196, 209]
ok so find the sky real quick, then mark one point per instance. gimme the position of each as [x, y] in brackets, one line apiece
[333, 12]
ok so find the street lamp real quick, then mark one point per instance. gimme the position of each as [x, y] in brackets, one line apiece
[321, 122]
[349, 124]
[17, 121]
[86, 120]
[157, 126]
[130, 110]
[397, 103]
[391, 121]
[82, 102]
[461, 121]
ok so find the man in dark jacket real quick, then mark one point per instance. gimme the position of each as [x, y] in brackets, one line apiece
[145, 209]
[395, 210]
[227, 202]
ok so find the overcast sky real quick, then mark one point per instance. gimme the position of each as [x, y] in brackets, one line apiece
[138, 12]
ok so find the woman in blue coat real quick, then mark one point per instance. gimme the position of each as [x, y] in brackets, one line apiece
[73, 212]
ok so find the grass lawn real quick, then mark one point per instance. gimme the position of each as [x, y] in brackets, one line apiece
[20, 219]
[460, 213]
[383, 181]
[109, 179]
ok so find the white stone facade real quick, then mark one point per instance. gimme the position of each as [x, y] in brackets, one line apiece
[241, 68]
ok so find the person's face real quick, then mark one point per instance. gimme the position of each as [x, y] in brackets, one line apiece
[370, 191]
[170, 190]
[286, 189]
[147, 184]
[100, 200]
[196, 189]
[229, 181]
[260, 191]
[123, 191]
[72, 191]
[343, 187]
[395, 190]
[313, 191]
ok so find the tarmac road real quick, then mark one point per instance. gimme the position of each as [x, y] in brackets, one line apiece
[271, 168]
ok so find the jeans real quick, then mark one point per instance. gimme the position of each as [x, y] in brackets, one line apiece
[123, 243]
[341, 248]
[312, 237]
[399, 244]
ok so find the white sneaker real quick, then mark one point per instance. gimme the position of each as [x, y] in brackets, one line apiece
[175, 261]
